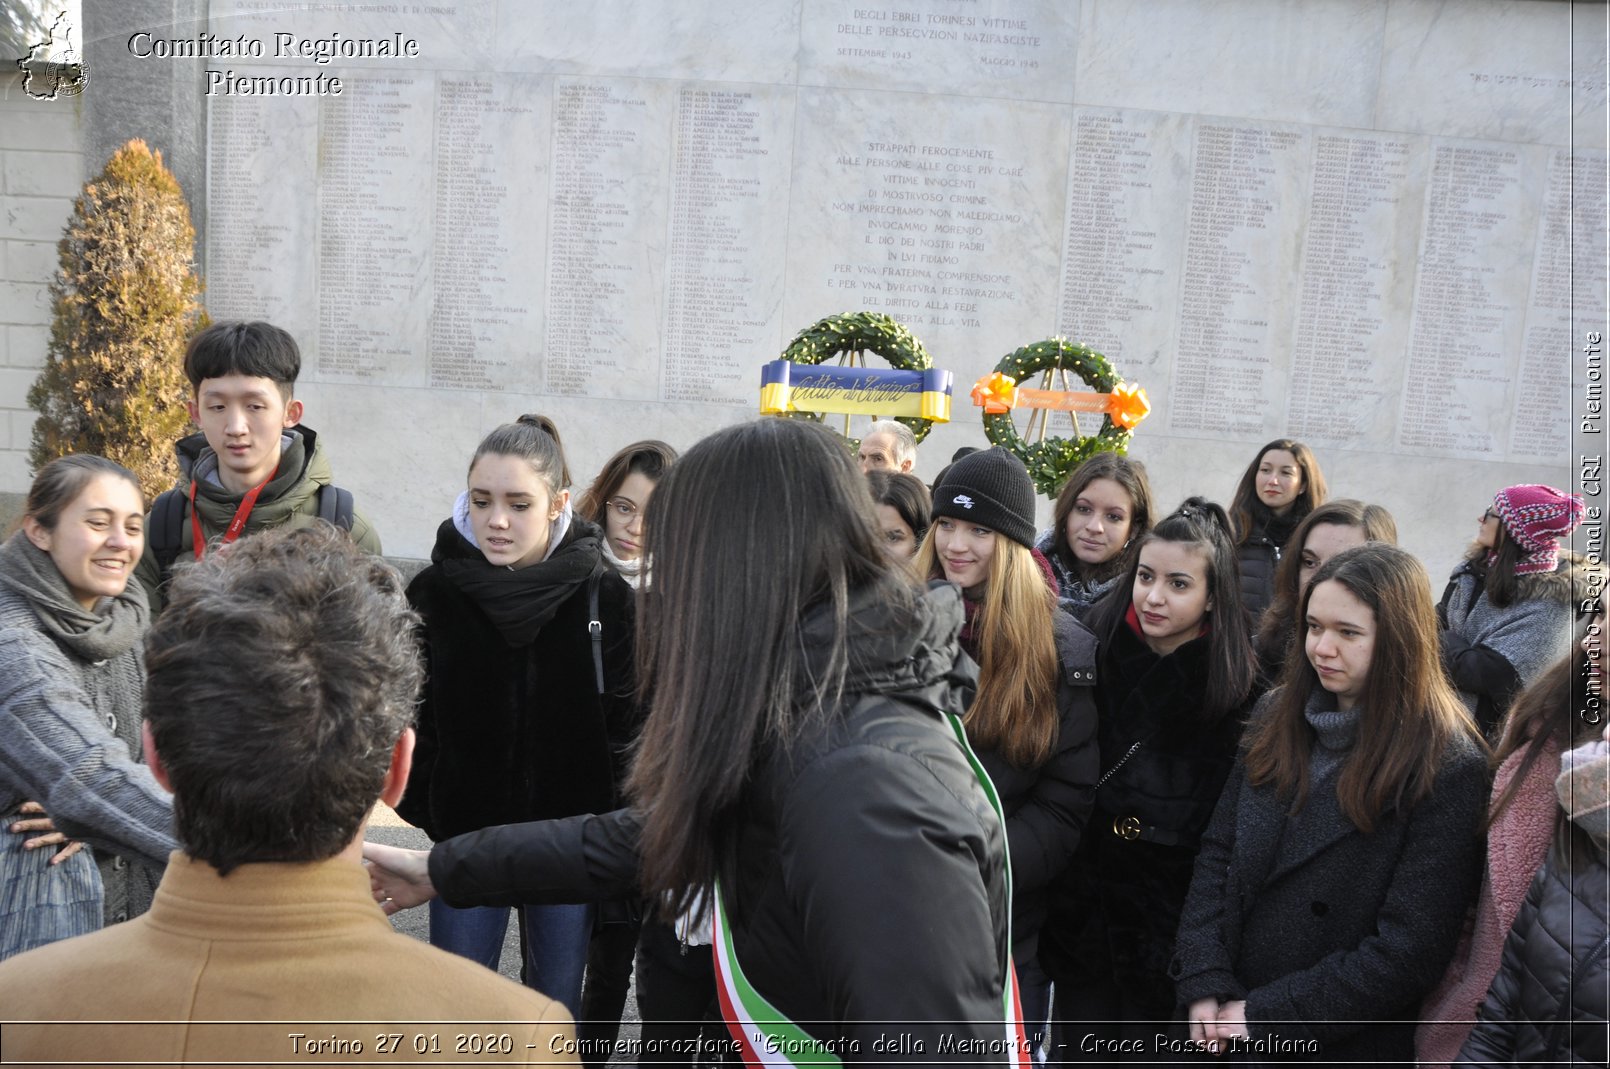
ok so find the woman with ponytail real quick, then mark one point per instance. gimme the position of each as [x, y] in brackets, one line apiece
[528, 710]
[1172, 685]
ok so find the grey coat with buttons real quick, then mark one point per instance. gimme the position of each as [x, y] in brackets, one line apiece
[1332, 935]
[69, 736]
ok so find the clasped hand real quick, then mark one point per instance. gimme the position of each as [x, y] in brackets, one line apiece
[1214, 1024]
[52, 837]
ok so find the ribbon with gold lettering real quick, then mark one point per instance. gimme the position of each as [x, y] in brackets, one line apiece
[1127, 405]
[789, 387]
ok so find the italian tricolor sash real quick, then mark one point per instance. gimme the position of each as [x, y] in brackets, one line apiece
[766, 1037]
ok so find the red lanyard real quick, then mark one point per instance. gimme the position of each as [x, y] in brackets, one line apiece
[236, 525]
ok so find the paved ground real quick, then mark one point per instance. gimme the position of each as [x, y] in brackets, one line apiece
[388, 828]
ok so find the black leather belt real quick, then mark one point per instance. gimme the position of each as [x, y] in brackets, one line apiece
[1130, 829]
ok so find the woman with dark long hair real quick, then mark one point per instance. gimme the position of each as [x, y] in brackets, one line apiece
[1323, 533]
[527, 711]
[1333, 880]
[803, 772]
[1171, 685]
[1102, 513]
[1281, 486]
[1506, 612]
[1563, 709]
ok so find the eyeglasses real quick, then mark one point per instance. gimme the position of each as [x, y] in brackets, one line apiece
[1489, 515]
[622, 507]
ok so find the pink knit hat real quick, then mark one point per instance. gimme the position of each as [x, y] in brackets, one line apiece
[1537, 517]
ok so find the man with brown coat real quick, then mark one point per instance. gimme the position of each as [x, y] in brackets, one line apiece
[282, 681]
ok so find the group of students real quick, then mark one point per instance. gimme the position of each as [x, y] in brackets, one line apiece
[1210, 778]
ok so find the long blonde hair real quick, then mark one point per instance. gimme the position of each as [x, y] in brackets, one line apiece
[1015, 709]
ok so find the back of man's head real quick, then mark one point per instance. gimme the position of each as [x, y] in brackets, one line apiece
[280, 678]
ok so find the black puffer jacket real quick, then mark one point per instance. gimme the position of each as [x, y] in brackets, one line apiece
[1547, 1003]
[871, 899]
[1259, 555]
[1114, 913]
[1047, 807]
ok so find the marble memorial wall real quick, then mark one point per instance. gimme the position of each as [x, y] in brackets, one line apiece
[1356, 223]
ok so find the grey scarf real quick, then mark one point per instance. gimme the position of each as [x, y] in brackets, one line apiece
[115, 625]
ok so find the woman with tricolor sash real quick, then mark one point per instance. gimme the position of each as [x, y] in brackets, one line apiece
[803, 770]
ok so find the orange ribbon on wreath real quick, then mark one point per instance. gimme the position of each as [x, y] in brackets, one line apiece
[1127, 405]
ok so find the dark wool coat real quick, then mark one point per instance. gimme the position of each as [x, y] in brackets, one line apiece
[1547, 1004]
[514, 733]
[1320, 926]
[1047, 807]
[1114, 913]
[870, 901]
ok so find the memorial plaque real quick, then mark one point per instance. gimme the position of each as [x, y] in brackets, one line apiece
[1356, 222]
[1364, 202]
[374, 257]
[262, 258]
[1017, 49]
[606, 234]
[490, 221]
[1482, 202]
[1568, 300]
[1240, 254]
[1128, 175]
[941, 218]
[724, 271]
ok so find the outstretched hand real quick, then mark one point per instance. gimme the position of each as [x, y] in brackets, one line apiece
[400, 879]
[52, 837]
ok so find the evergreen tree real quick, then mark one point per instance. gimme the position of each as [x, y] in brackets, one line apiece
[125, 299]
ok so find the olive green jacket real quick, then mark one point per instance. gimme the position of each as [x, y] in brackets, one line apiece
[291, 497]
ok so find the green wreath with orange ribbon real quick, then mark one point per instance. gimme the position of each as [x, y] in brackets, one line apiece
[861, 332]
[1051, 460]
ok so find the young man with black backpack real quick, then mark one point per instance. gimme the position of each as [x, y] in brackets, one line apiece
[253, 466]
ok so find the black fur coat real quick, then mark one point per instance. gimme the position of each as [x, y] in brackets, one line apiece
[512, 725]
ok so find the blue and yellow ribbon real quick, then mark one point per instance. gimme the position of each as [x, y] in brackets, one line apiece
[858, 391]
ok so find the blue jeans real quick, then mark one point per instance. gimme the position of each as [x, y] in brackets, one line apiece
[554, 940]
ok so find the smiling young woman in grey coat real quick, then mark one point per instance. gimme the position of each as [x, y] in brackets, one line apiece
[71, 677]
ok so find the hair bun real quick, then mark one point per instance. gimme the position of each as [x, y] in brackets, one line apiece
[1201, 510]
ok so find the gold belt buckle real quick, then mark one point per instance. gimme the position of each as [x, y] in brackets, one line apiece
[1126, 828]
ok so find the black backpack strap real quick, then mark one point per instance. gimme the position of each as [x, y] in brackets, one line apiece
[595, 626]
[164, 535]
[335, 506]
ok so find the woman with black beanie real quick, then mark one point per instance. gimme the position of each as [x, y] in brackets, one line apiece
[1033, 720]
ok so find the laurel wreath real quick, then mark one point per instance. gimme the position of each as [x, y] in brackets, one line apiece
[861, 332]
[1051, 460]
